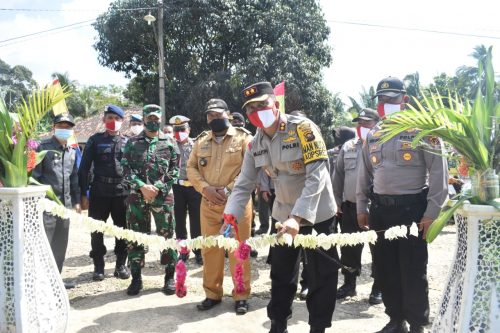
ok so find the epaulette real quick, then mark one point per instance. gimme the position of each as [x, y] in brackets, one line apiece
[202, 134]
[243, 129]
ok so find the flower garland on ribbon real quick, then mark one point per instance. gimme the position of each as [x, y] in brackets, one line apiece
[230, 244]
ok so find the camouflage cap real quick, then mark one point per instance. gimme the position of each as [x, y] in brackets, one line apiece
[151, 109]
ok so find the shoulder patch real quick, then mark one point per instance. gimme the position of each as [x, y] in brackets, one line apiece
[242, 129]
[313, 146]
[202, 134]
[434, 140]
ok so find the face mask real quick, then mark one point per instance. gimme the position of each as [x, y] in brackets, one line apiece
[362, 132]
[136, 129]
[180, 136]
[63, 133]
[385, 109]
[219, 125]
[262, 118]
[152, 126]
[113, 125]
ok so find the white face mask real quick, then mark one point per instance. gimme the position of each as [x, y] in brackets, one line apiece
[387, 109]
[136, 129]
[183, 136]
[362, 132]
[266, 117]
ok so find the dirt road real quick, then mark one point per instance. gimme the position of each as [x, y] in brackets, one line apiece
[103, 307]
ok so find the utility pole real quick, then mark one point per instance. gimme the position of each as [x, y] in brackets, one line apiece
[161, 59]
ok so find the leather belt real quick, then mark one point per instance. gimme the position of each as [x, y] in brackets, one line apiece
[108, 180]
[399, 200]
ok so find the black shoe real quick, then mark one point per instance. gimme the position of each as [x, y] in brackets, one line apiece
[241, 307]
[207, 304]
[254, 253]
[317, 329]
[278, 327]
[303, 293]
[69, 285]
[199, 259]
[169, 287]
[135, 286]
[261, 231]
[375, 297]
[346, 290]
[98, 276]
[416, 329]
[121, 272]
[394, 326]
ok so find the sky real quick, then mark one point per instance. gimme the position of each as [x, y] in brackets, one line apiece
[370, 40]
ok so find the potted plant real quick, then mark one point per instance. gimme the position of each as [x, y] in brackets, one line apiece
[471, 300]
[32, 294]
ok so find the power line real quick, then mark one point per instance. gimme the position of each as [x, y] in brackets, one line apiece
[44, 31]
[47, 34]
[412, 29]
[71, 10]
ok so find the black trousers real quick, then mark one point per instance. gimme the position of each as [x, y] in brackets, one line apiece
[322, 275]
[100, 208]
[303, 275]
[57, 230]
[401, 264]
[186, 200]
[351, 255]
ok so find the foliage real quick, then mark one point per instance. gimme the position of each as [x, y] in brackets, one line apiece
[15, 83]
[214, 48]
[86, 101]
[472, 128]
[16, 157]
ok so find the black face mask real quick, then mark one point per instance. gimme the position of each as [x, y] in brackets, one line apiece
[152, 126]
[219, 125]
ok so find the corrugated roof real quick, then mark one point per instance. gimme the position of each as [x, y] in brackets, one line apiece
[85, 128]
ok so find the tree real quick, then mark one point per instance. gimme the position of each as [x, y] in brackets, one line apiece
[15, 83]
[214, 48]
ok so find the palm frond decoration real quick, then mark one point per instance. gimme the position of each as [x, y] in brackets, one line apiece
[13, 157]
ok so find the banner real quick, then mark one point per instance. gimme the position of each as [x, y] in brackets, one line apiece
[60, 107]
[279, 92]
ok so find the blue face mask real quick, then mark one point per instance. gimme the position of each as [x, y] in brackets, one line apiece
[63, 133]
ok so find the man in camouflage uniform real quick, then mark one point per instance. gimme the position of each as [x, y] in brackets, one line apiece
[150, 168]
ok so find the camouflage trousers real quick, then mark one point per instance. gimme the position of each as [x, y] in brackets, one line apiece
[139, 219]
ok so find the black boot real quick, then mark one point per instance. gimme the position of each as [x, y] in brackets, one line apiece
[315, 329]
[121, 270]
[375, 295]
[394, 326]
[278, 327]
[169, 286]
[98, 274]
[348, 288]
[136, 283]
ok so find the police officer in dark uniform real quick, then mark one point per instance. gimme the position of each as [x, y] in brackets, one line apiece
[108, 191]
[405, 185]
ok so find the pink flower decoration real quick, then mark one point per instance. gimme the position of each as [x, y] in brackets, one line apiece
[240, 284]
[32, 144]
[180, 282]
[243, 251]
